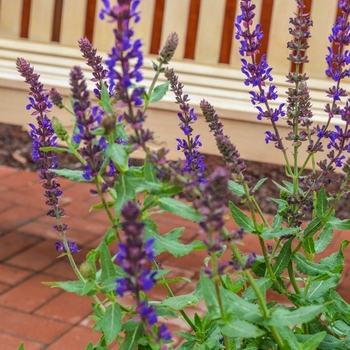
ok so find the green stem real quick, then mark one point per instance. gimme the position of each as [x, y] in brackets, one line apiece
[171, 294]
[292, 278]
[105, 206]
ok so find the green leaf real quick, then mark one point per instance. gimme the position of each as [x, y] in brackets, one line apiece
[339, 224]
[283, 189]
[168, 242]
[74, 175]
[119, 156]
[323, 239]
[321, 204]
[240, 329]
[77, 287]
[107, 267]
[312, 227]
[275, 232]
[241, 219]
[100, 206]
[289, 338]
[108, 285]
[259, 183]
[159, 92]
[106, 103]
[125, 190]
[283, 258]
[150, 172]
[263, 284]
[181, 301]
[180, 209]
[335, 262]
[209, 294]
[309, 245]
[21, 347]
[236, 188]
[313, 342]
[320, 288]
[112, 322]
[282, 316]
[240, 308]
[132, 338]
[308, 267]
[90, 346]
[56, 149]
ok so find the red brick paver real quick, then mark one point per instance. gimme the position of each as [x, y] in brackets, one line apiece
[49, 318]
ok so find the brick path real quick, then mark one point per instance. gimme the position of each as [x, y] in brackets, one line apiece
[45, 318]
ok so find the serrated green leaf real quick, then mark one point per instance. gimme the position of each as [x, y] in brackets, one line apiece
[74, 175]
[106, 104]
[338, 224]
[180, 209]
[112, 322]
[283, 258]
[77, 287]
[282, 316]
[159, 92]
[321, 204]
[323, 239]
[125, 189]
[289, 338]
[275, 232]
[236, 188]
[241, 219]
[150, 172]
[117, 153]
[331, 343]
[240, 329]
[108, 285]
[335, 262]
[168, 242]
[309, 245]
[107, 267]
[320, 288]
[308, 267]
[100, 206]
[259, 183]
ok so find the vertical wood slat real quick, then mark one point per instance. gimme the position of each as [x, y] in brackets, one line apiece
[10, 18]
[157, 26]
[235, 57]
[322, 27]
[192, 29]
[143, 29]
[103, 37]
[73, 21]
[208, 44]
[41, 20]
[279, 36]
[175, 20]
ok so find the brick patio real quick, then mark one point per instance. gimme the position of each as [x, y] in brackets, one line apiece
[45, 318]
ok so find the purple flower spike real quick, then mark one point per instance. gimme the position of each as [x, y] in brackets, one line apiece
[71, 246]
[43, 136]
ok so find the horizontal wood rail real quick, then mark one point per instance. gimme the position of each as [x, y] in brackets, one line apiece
[45, 32]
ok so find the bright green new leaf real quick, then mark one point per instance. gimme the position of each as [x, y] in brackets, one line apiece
[309, 245]
[90, 346]
[21, 347]
[259, 183]
[125, 189]
[241, 219]
[74, 175]
[56, 149]
[112, 322]
[159, 92]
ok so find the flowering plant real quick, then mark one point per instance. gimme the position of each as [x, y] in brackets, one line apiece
[234, 291]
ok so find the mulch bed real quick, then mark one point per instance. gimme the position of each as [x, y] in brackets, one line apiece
[15, 151]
